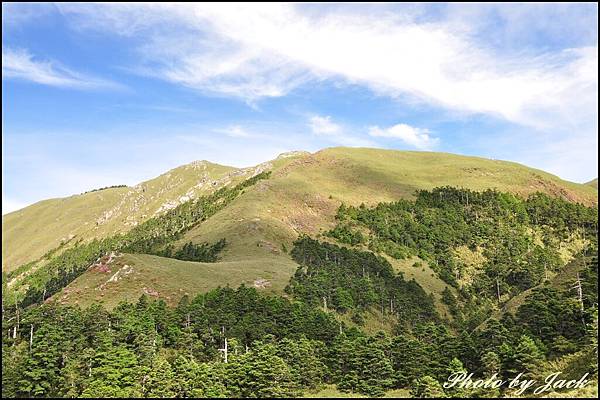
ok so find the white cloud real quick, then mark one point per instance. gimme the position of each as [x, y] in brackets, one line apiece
[324, 126]
[20, 64]
[16, 14]
[416, 137]
[267, 50]
[467, 59]
[235, 131]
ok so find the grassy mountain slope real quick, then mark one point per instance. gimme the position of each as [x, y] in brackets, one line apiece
[29, 233]
[302, 196]
[129, 276]
[499, 243]
[593, 183]
[34, 230]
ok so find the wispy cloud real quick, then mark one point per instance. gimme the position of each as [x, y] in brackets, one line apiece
[235, 131]
[417, 137]
[268, 50]
[324, 126]
[15, 14]
[327, 129]
[459, 60]
[20, 64]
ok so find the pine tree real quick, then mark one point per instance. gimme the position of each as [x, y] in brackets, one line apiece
[160, 381]
[42, 369]
[490, 363]
[456, 367]
[260, 373]
[527, 357]
[302, 358]
[14, 361]
[115, 374]
[186, 372]
[427, 387]
[368, 370]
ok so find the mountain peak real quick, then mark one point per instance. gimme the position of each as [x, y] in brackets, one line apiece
[294, 153]
[302, 198]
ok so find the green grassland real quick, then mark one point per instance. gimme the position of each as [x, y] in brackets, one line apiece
[426, 277]
[301, 196]
[169, 279]
[29, 233]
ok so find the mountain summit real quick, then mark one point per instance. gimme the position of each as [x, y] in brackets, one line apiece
[301, 196]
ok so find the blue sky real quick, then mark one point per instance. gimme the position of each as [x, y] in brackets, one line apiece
[97, 95]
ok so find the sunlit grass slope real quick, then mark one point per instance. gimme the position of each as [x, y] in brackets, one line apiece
[131, 275]
[29, 233]
[301, 197]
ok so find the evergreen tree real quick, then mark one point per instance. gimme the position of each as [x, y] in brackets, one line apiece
[186, 373]
[42, 368]
[302, 356]
[427, 387]
[160, 382]
[115, 373]
[456, 367]
[490, 363]
[260, 373]
[527, 358]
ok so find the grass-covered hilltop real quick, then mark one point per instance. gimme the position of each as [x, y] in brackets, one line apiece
[347, 272]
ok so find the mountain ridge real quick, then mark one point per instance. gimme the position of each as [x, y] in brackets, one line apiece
[292, 153]
[351, 175]
[414, 245]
